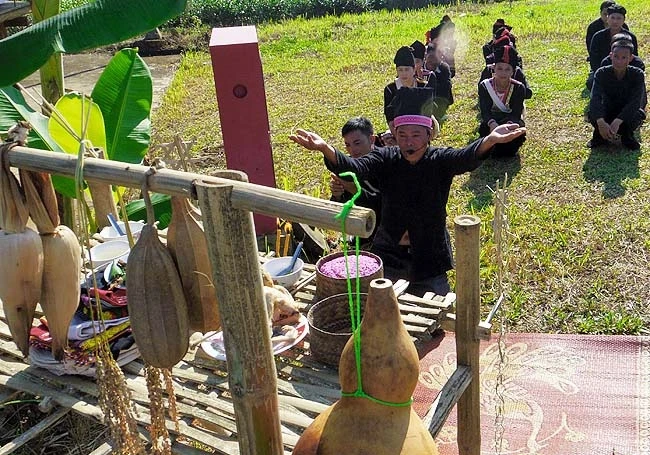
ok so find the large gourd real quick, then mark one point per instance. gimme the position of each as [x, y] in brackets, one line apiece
[157, 305]
[389, 372]
[188, 246]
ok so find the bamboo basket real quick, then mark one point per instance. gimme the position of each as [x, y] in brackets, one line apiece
[327, 286]
[330, 327]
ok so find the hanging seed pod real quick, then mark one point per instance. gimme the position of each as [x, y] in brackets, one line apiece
[157, 305]
[21, 275]
[60, 292]
[21, 258]
[187, 244]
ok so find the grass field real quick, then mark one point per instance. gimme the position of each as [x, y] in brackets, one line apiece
[579, 220]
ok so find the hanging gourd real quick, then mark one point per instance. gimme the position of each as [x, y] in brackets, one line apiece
[374, 414]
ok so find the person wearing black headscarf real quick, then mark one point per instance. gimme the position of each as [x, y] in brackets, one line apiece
[501, 100]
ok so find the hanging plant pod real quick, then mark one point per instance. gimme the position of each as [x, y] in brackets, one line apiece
[157, 305]
[187, 244]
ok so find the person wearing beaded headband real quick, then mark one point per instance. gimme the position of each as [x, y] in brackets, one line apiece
[415, 180]
[501, 100]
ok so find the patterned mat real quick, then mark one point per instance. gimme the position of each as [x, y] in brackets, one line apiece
[560, 394]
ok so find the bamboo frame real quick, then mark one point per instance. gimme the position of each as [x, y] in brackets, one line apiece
[227, 203]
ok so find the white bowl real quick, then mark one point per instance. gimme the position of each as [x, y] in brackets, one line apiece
[103, 254]
[109, 233]
[275, 265]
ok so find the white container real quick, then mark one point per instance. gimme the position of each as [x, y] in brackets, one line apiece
[275, 265]
[103, 254]
[109, 233]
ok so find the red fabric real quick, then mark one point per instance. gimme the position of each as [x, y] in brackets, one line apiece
[563, 394]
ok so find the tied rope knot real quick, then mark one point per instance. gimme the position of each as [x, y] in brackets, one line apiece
[355, 307]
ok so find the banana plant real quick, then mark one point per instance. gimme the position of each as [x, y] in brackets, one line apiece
[95, 24]
[119, 116]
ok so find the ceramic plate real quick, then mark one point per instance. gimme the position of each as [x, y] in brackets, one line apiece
[214, 347]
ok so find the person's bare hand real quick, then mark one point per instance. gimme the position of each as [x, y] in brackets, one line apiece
[309, 140]
[506, 132]
[614, 127]
[605, 131]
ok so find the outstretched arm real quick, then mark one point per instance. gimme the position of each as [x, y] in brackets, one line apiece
[499, 135]
[312, 141]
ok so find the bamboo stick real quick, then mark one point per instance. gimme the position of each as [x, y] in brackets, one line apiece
[245, 196]
[468, 306]
[236, 273]
[447, 399]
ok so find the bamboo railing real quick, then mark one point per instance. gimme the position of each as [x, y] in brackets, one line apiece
[227, 202]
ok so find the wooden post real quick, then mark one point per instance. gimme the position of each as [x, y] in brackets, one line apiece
[468, 306]
[239, 81]
[238, 283]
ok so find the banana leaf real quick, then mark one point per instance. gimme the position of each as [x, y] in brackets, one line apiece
[71, 106]
[92, 25]
[124, 94]
[162, 208]
[14, 108]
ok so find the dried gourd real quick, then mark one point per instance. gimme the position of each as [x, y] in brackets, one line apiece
[389, 372]
[20, 282]
[60, 292]
[157, 305]
[21, 261]
[40, 200]
[187, 244]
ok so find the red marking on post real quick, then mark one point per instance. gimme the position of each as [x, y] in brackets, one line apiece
[239, 83]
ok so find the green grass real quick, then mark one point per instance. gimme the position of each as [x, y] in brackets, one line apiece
[579, 220]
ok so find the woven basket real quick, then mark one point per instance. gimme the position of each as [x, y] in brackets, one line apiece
[327, 286]
[330, 327]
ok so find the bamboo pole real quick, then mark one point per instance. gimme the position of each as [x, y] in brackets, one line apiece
[236, 273]
[468, 306]
[245, 196]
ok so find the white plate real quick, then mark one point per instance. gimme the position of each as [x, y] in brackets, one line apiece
[214, 347]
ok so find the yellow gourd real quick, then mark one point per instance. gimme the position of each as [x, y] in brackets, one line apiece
[389, 372]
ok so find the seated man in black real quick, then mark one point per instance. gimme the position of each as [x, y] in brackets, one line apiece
[599, 24]
[501, 100]
[415, 179]
[359, 139]
[601, 42]
[616, 96]
[636, 62]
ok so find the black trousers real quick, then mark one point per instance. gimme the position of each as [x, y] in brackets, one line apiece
[509, 148]
[626, 129]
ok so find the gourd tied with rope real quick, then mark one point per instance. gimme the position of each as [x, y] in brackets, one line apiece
[378, 372]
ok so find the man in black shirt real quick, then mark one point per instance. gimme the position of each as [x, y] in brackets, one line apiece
[415, 180]
[616, 97]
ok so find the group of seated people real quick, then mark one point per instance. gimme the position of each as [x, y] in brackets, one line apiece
[431, 66]
[616, 79]
[502, 86]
